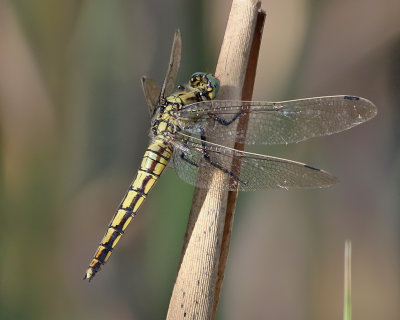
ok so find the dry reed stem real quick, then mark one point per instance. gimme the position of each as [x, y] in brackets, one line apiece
[197, 287]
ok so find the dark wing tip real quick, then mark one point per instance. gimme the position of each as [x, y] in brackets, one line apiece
[325, 179]
[365, 108]
[351, 98]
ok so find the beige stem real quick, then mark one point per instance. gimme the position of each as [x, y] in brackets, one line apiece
[196, 290]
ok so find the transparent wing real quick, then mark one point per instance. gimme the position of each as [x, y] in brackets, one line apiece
[173, 67]
[278, 122]
[247, 171]
[151, 91]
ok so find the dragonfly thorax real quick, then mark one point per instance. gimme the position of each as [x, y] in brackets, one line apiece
[165, 122]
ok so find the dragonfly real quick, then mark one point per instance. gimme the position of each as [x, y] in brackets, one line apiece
[184, 124]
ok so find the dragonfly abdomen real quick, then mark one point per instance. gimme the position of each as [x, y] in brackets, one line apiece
[153, 164]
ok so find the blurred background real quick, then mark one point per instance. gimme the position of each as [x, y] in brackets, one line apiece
[74, 126]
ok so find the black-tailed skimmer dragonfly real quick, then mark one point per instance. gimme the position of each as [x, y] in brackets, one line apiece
[178, 132]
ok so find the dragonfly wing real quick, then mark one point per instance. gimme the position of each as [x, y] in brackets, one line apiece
[173, 67]
[151, 91]
[279, 122]
[247, 171]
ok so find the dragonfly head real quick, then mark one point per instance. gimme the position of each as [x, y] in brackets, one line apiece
[206, 83]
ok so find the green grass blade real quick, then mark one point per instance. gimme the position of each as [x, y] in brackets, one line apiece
[347, 281]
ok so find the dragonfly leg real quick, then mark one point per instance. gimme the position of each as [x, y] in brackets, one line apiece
[223, 121]
[182, 155]
[216, 165]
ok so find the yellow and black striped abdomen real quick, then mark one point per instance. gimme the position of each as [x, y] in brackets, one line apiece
[153, 164]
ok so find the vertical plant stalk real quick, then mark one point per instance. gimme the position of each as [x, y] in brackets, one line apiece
[198, 283]
[347, 281]
[247, 95]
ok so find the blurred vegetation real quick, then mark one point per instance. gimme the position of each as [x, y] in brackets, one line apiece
[74, 125]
